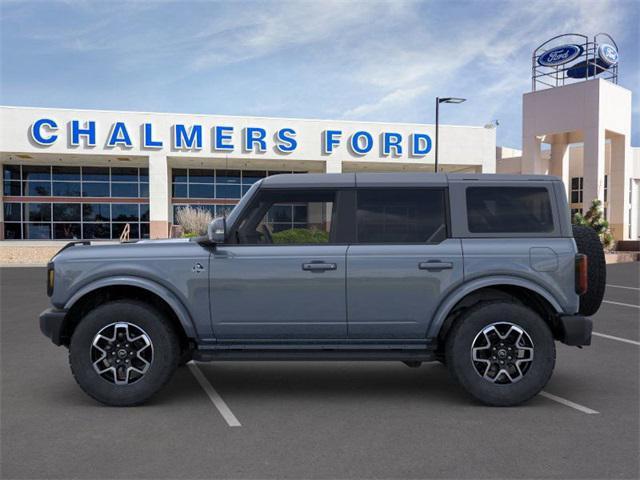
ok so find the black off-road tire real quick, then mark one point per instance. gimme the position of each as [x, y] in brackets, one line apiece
[458, 352]
[588, 243]
[166, 352]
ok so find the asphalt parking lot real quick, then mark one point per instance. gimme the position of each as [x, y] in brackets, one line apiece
[321, 420]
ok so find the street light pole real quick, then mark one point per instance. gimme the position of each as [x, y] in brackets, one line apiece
[438, 102]
[435, 169]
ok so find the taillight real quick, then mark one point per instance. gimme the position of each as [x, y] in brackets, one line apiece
[582, 282]
[50, 279]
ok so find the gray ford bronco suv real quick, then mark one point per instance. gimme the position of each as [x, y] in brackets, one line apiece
[481, 272]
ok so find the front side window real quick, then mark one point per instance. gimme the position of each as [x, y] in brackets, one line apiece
[509, 210]
[401, 216]
[289, 217]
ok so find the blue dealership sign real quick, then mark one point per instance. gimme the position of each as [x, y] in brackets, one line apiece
[560, 55]
[608, 54]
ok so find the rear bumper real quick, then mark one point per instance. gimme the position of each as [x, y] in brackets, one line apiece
[52, 325]
[575, 330]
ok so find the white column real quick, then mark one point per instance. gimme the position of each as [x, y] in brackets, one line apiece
[593, 166]
[531, 155]
[159, 198]
[559, 162]
[619, 186]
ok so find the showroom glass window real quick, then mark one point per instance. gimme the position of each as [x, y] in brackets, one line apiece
[401, 215]
[214, 190]
[73, 202]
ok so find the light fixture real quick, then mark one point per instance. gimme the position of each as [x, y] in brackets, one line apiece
[440, 100]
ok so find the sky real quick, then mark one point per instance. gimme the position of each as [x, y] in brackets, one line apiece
[352, 60]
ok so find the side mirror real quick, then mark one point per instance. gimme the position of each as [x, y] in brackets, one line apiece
[217, 231]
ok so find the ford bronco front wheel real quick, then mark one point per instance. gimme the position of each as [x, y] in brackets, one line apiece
[502, 353]
[123, 352]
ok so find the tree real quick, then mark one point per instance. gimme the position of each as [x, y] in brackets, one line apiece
[594, 218]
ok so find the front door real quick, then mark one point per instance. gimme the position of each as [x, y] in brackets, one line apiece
[283, 275]
[401, 264]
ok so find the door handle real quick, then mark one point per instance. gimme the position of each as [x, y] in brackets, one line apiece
[318, 266]
[435, 266]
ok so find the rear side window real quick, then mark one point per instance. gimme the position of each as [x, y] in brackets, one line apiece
[509, 210]
[401, 216]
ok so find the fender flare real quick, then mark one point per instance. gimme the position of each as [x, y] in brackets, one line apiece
[454, 297]
[174, 303]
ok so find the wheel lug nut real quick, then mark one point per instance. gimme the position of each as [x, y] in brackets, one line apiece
[113, 353]
[117, 361]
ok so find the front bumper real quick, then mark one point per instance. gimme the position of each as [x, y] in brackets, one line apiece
[52, 323]
[575, 330]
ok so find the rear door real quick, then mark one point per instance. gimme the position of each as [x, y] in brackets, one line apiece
[402, 262]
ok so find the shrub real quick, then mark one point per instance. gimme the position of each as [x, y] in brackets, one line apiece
[594, 218]
[194, 221]
[301, 235]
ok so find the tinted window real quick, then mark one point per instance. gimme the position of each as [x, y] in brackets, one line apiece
[95, 189]
[124, 212]
[96, 212]
[37, 212]
[124, 189]
[66, 173]
[36, 172]
[289, 217]
[12, 212]
[12, 231]
[66, 212]
[509, 210]
[11, 172]
[197, 175]
[401, 216]
[12, 189]
[124, 174]
[97, 230]
[37, 189]
[67, 230]
[66, 189]
[98, 174]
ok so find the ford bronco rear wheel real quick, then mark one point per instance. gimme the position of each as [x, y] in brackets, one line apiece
[122, 352]
[502, 353]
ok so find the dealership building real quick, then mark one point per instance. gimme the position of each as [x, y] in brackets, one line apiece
[90, 174]
[87, 174]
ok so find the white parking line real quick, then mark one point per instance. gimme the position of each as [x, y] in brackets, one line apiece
[217, 400]
[622, 286]
[568, 403]
[619, 339]
[621, 304]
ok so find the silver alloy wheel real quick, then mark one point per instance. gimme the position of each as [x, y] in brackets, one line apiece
[121, 353]
[502, 353]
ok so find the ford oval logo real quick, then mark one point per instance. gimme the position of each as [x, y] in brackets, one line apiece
[560, 55]
[608, 54]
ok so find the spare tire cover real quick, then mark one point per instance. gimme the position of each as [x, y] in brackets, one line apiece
[588, 243]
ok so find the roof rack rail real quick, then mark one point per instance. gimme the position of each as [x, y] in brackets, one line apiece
[74, 243]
